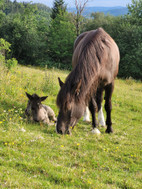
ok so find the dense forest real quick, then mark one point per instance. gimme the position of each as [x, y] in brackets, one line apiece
[34, 34]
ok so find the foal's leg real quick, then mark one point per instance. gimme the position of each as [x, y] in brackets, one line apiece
[108, 106]
[99, 99]
[93, 107]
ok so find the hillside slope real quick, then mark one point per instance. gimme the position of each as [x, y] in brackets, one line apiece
[33, 156]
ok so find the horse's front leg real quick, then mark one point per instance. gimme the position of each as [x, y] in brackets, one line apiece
[108, 106]
[93, 107]
[86, 115]
[99, 99]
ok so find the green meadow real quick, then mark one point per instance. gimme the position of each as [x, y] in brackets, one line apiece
[33, 156]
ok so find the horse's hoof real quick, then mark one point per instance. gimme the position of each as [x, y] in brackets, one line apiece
[69, 132]
[102, 124]
[96, 131]
[110, 130]
[86, 119]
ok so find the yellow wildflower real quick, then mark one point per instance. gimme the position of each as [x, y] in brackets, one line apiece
[89, 181]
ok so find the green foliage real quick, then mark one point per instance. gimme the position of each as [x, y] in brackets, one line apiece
[4, 45]
[130, 64]
[61, 38]
[22, 30]
[97, 20]
[128, 38]
[58, 8]
[135, 10]
[26, 27]
[11, 63]
[4, 49]
[37, 39]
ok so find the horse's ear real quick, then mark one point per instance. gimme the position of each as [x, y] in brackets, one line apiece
[77, 90]
[60, 82]
[29, 96]
[43, 98]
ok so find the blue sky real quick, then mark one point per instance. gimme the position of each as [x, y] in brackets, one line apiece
[94, 3]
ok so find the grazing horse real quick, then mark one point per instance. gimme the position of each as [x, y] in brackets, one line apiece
[96, 59]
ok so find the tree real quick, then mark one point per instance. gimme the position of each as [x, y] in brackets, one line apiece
[135, 10]
[80, 5]
[60, 40]
[99, 19]
[58, 8]
[2, 14]
[26, 34]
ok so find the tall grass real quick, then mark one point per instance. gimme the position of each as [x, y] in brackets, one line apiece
[32, 155]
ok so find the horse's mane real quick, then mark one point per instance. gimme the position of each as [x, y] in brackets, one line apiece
[88, 56]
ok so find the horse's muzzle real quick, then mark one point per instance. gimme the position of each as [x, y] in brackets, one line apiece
[63, 131]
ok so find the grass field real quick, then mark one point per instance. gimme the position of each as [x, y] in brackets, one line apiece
[33, 156]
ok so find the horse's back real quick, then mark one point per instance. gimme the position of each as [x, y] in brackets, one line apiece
[100, 47]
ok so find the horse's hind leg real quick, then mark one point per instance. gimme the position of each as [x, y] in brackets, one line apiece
[93, 107]
[108, 106]
[99, 99]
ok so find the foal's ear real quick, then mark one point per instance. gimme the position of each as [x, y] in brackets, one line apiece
[77, 90]
[60, 82]
[43, 98]
[29, 96]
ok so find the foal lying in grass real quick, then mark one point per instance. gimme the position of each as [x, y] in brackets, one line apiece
[37, 111]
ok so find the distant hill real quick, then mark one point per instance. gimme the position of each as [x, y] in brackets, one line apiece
[115, 11]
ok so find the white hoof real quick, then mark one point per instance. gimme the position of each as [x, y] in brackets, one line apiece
[87, 119]
[96, 131]
[102, 123]
[101, 119]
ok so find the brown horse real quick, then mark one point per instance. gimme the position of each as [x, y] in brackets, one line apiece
[96, 59]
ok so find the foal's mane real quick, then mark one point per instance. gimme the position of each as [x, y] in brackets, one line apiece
[88, 57]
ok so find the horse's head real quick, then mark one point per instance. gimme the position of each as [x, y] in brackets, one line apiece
[70, 109]
[36, 107]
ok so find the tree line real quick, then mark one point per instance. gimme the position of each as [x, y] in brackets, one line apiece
[42, 36]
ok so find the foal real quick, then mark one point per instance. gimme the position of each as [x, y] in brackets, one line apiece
[37, 111]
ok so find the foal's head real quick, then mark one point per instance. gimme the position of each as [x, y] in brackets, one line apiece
[70, 108]
[36, 106]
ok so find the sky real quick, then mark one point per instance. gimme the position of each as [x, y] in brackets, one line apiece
[91, 3]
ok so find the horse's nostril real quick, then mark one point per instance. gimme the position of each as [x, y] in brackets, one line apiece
[58, 131]
[36, 120]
